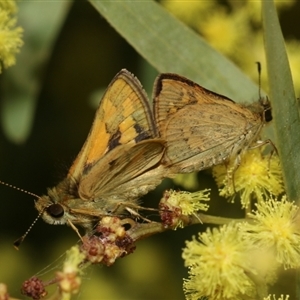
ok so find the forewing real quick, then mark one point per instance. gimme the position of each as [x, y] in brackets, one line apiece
[123, 117]
[173, 92]
[121, 167]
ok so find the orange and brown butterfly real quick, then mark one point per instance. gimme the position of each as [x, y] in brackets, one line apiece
[202, 128]
[119, 162]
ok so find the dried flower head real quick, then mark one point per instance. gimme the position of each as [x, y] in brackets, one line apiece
[109, 242]
[34, 288]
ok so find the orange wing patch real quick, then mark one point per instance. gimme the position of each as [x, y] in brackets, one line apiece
[123, 117]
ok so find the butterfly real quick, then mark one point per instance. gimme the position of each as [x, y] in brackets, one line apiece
[202, 128]
[129, 151]
[118, 163]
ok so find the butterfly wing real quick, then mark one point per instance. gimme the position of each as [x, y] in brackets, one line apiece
[121, 148]
[116, 178]
[201, 128]
[123, 117]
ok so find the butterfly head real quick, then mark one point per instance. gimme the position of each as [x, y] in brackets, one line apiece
[262, 108]
[51, 211]
[267, 110]
[60, 207]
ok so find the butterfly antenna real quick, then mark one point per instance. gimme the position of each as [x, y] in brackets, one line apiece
[18, 189]
[18, 242]
[259, 78]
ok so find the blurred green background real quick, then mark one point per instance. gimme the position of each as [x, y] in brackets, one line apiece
[84, 55]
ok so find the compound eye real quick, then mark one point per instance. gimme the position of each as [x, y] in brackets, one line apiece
[55, 210]
[268, 115]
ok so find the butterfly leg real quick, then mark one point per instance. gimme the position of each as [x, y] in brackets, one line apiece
[231, 171]
[266, 142]
[75, 229]
[132, 209]
[136, 214]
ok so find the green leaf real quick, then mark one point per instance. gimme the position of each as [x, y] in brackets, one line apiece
[170, 46]
[283, 100]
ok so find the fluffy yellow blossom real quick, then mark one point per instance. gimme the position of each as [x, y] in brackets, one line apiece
[218, 265]
[10, 35]
[257, 176]
[275, 226]
[176, 205]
